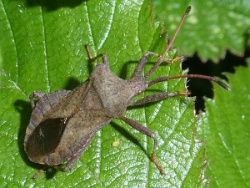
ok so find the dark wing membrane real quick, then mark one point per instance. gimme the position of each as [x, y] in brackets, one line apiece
[45, 138]
[55, 141]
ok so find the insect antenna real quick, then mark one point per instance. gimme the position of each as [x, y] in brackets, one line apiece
[162, 57]
[166, 78]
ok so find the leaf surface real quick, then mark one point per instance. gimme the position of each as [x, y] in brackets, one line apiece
[225, 127]
[42, 49]
[211, 28]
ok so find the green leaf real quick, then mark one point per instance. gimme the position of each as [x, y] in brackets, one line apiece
[225, 127]
[42, 48]
[211, 28]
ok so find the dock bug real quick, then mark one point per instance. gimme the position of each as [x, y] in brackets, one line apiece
[63, 123]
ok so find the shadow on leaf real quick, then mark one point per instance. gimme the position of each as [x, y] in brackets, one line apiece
[129, 136]
[24, 108]
[54, 5]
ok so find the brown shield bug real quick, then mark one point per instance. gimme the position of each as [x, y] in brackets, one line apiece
[63, 123]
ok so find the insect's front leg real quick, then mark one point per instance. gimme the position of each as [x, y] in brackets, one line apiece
[157, 97]
[147, 132]
[177, 58]
[35, 94]
[141, 64]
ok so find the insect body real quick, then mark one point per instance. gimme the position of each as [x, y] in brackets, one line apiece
[63, 123]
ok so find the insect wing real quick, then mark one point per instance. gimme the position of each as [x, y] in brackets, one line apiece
[59, 129]
[57, 140]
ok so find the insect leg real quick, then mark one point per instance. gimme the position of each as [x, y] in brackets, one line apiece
[142, 63]
[157, 97]
[147, 132]
[35, 94]
[91, 58]
[39, 172]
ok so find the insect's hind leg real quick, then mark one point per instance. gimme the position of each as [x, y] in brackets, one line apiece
[149, 133]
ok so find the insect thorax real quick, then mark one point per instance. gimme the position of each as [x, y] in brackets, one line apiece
[115, 93]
